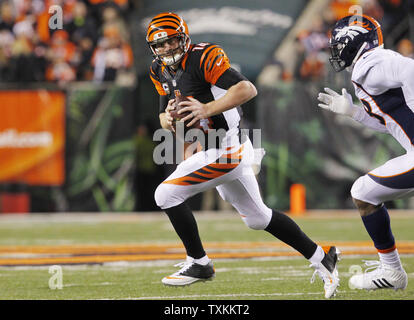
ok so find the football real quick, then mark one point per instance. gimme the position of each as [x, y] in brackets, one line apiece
[178, 117]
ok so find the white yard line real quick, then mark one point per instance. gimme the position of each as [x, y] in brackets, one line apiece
[228, 295]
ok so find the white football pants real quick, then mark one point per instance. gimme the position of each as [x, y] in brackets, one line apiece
[392, 180]
[230, 171]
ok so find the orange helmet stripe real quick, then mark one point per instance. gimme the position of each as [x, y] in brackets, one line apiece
[378, 26]
[365, 25]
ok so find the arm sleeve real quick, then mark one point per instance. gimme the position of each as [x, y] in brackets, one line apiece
[229, 78]
[163, 103]
[364, 118]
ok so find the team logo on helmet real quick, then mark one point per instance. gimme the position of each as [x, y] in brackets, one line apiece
[349, 32]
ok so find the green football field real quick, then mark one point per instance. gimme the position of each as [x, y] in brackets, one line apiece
[124, 257]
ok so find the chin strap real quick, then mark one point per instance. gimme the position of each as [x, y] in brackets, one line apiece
[359, 53]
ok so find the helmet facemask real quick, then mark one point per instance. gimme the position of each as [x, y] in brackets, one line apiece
[173, 56]
[337, 63]
[344, 55]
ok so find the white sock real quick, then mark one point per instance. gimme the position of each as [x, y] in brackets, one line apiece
[391, 259]
[203, 261]
[317, 256]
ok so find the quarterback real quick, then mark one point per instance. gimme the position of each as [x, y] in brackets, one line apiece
[202, 72]
[384, 83]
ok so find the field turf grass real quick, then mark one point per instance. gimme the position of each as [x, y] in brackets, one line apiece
[283, 277]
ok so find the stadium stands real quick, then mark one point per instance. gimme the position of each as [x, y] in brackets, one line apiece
[94, 43]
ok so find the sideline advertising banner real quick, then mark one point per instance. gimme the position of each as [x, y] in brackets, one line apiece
[32, 137]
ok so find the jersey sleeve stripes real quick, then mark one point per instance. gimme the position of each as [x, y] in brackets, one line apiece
[213, 63]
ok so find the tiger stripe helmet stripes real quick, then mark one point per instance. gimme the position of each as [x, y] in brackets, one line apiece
[164, 26]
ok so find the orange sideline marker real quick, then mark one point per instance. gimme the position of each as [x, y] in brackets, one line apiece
[297, 199]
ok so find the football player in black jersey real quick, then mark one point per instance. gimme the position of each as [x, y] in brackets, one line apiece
[203, 73]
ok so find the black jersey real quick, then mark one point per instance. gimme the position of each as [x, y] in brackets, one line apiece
[204, 74]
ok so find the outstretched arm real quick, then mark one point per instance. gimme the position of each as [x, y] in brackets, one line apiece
[343, 104]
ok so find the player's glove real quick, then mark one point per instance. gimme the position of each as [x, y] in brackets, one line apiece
[337, 103]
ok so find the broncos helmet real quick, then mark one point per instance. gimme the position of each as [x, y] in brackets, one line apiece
[351, 37]
[163, 27]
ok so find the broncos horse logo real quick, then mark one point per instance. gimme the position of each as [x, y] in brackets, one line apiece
[350, 32]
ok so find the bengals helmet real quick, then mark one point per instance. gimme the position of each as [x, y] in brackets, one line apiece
[351, 37]
[163, 27]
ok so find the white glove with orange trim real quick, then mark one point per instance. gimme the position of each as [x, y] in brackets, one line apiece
[341, 104]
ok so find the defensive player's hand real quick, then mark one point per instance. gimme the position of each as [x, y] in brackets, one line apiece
[198, 110]
[169, 119]
[337, 103]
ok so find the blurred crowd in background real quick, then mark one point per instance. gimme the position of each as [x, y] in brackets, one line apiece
[94, 43]
[312, 44]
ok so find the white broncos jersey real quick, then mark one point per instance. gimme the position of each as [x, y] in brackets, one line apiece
[384, 82]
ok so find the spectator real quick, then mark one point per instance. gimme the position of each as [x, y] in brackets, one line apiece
[24, 63]
[313, 44]
[60, 71]
[7, 16]
[61, 46]
[316, 39]
[112, 55]
[313, 68]
[406, 48]
[81, 25]
[31, 51]
[86, 49]
[6, 49]
[63, 57]
[111, 17]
